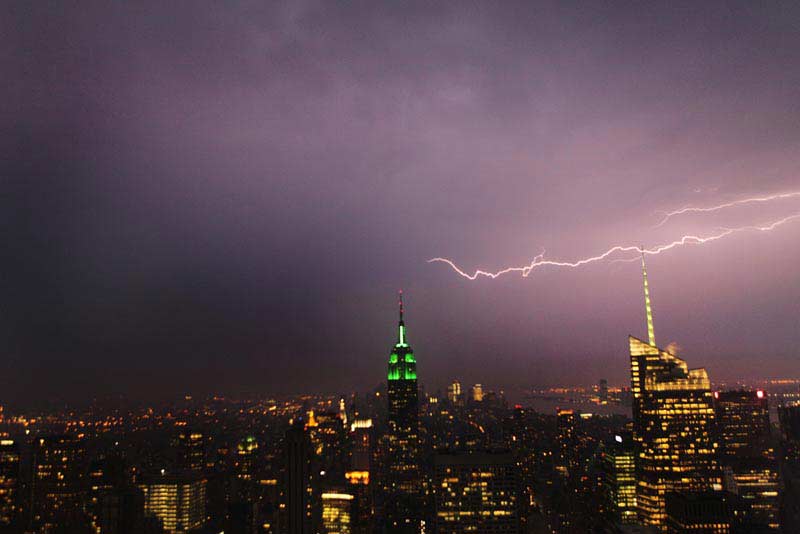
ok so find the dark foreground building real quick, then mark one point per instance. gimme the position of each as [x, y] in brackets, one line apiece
[297, 482]
[700, 513]
[748, 454]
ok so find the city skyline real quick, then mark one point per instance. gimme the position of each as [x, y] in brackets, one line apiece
[202, 200]
[399, 459]
[418, 267]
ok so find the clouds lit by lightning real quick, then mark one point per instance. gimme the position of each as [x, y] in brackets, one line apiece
[617, 250]
[734, 203]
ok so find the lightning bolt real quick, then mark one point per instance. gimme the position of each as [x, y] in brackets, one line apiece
[751, 200]
[539, 260]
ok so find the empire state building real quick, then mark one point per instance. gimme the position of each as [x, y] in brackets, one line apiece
[403, 484]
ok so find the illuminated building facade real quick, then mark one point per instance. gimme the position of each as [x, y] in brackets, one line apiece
[245, 469]
[757, 482]
[618, 480]
[602, 391]
[454, 394]
[191, 451]
[9, 482]
[179, 502]
[567, 421]
[327, 435]
[477, 393]
[402, 484]
[747, 454]
[107, 474]
[59, 476]
[673, 425]
[245, 458]
[477, 493]
[358, 477]
[699, 513]
[742, 422]
[336, 516]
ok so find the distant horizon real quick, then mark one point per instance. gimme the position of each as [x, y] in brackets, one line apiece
[509, 390]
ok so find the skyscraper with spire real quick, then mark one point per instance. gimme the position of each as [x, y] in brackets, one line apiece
[403, 477]
[651, 335]
[673, 416]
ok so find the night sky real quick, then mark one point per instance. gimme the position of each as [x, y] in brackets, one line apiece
[219, 197]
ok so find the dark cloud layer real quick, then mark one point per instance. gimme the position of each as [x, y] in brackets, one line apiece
[224, 197]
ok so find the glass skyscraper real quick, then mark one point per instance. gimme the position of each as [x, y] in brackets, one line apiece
[673, 416]
[618, 480]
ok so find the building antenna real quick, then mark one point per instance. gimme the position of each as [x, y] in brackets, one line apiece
[650, 332]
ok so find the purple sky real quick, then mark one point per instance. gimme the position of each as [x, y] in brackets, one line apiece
[220, 197]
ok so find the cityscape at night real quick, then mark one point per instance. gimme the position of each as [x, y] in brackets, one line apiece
[400, 267]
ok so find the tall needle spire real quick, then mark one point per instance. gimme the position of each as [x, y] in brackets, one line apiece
[402, 333]
[400, 303]
[650, 333]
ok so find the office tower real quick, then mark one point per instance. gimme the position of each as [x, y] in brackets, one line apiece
[618, 480]
[244, 487]
[789, 417]
[742, 422]
[358, 477]
[107, 473]
[757, 482]
[343, 412]
[242, 518]
[454, 393]
[59, 476]
[326, 436]
[673, 422]
[477, 393]
[245, 462]
[178, 501]
[298, 479]
[477, 493]
[326, 433]
[567, 439]
[190, 451]
[361, 438]
[336, 517]
[121, 511]
[602, 391]
[531, 438]
[403, 477]
[709, 512]
[747, 455]
[9, 482]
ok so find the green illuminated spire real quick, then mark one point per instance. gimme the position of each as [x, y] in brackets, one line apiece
[650, 332]
[402, 364]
